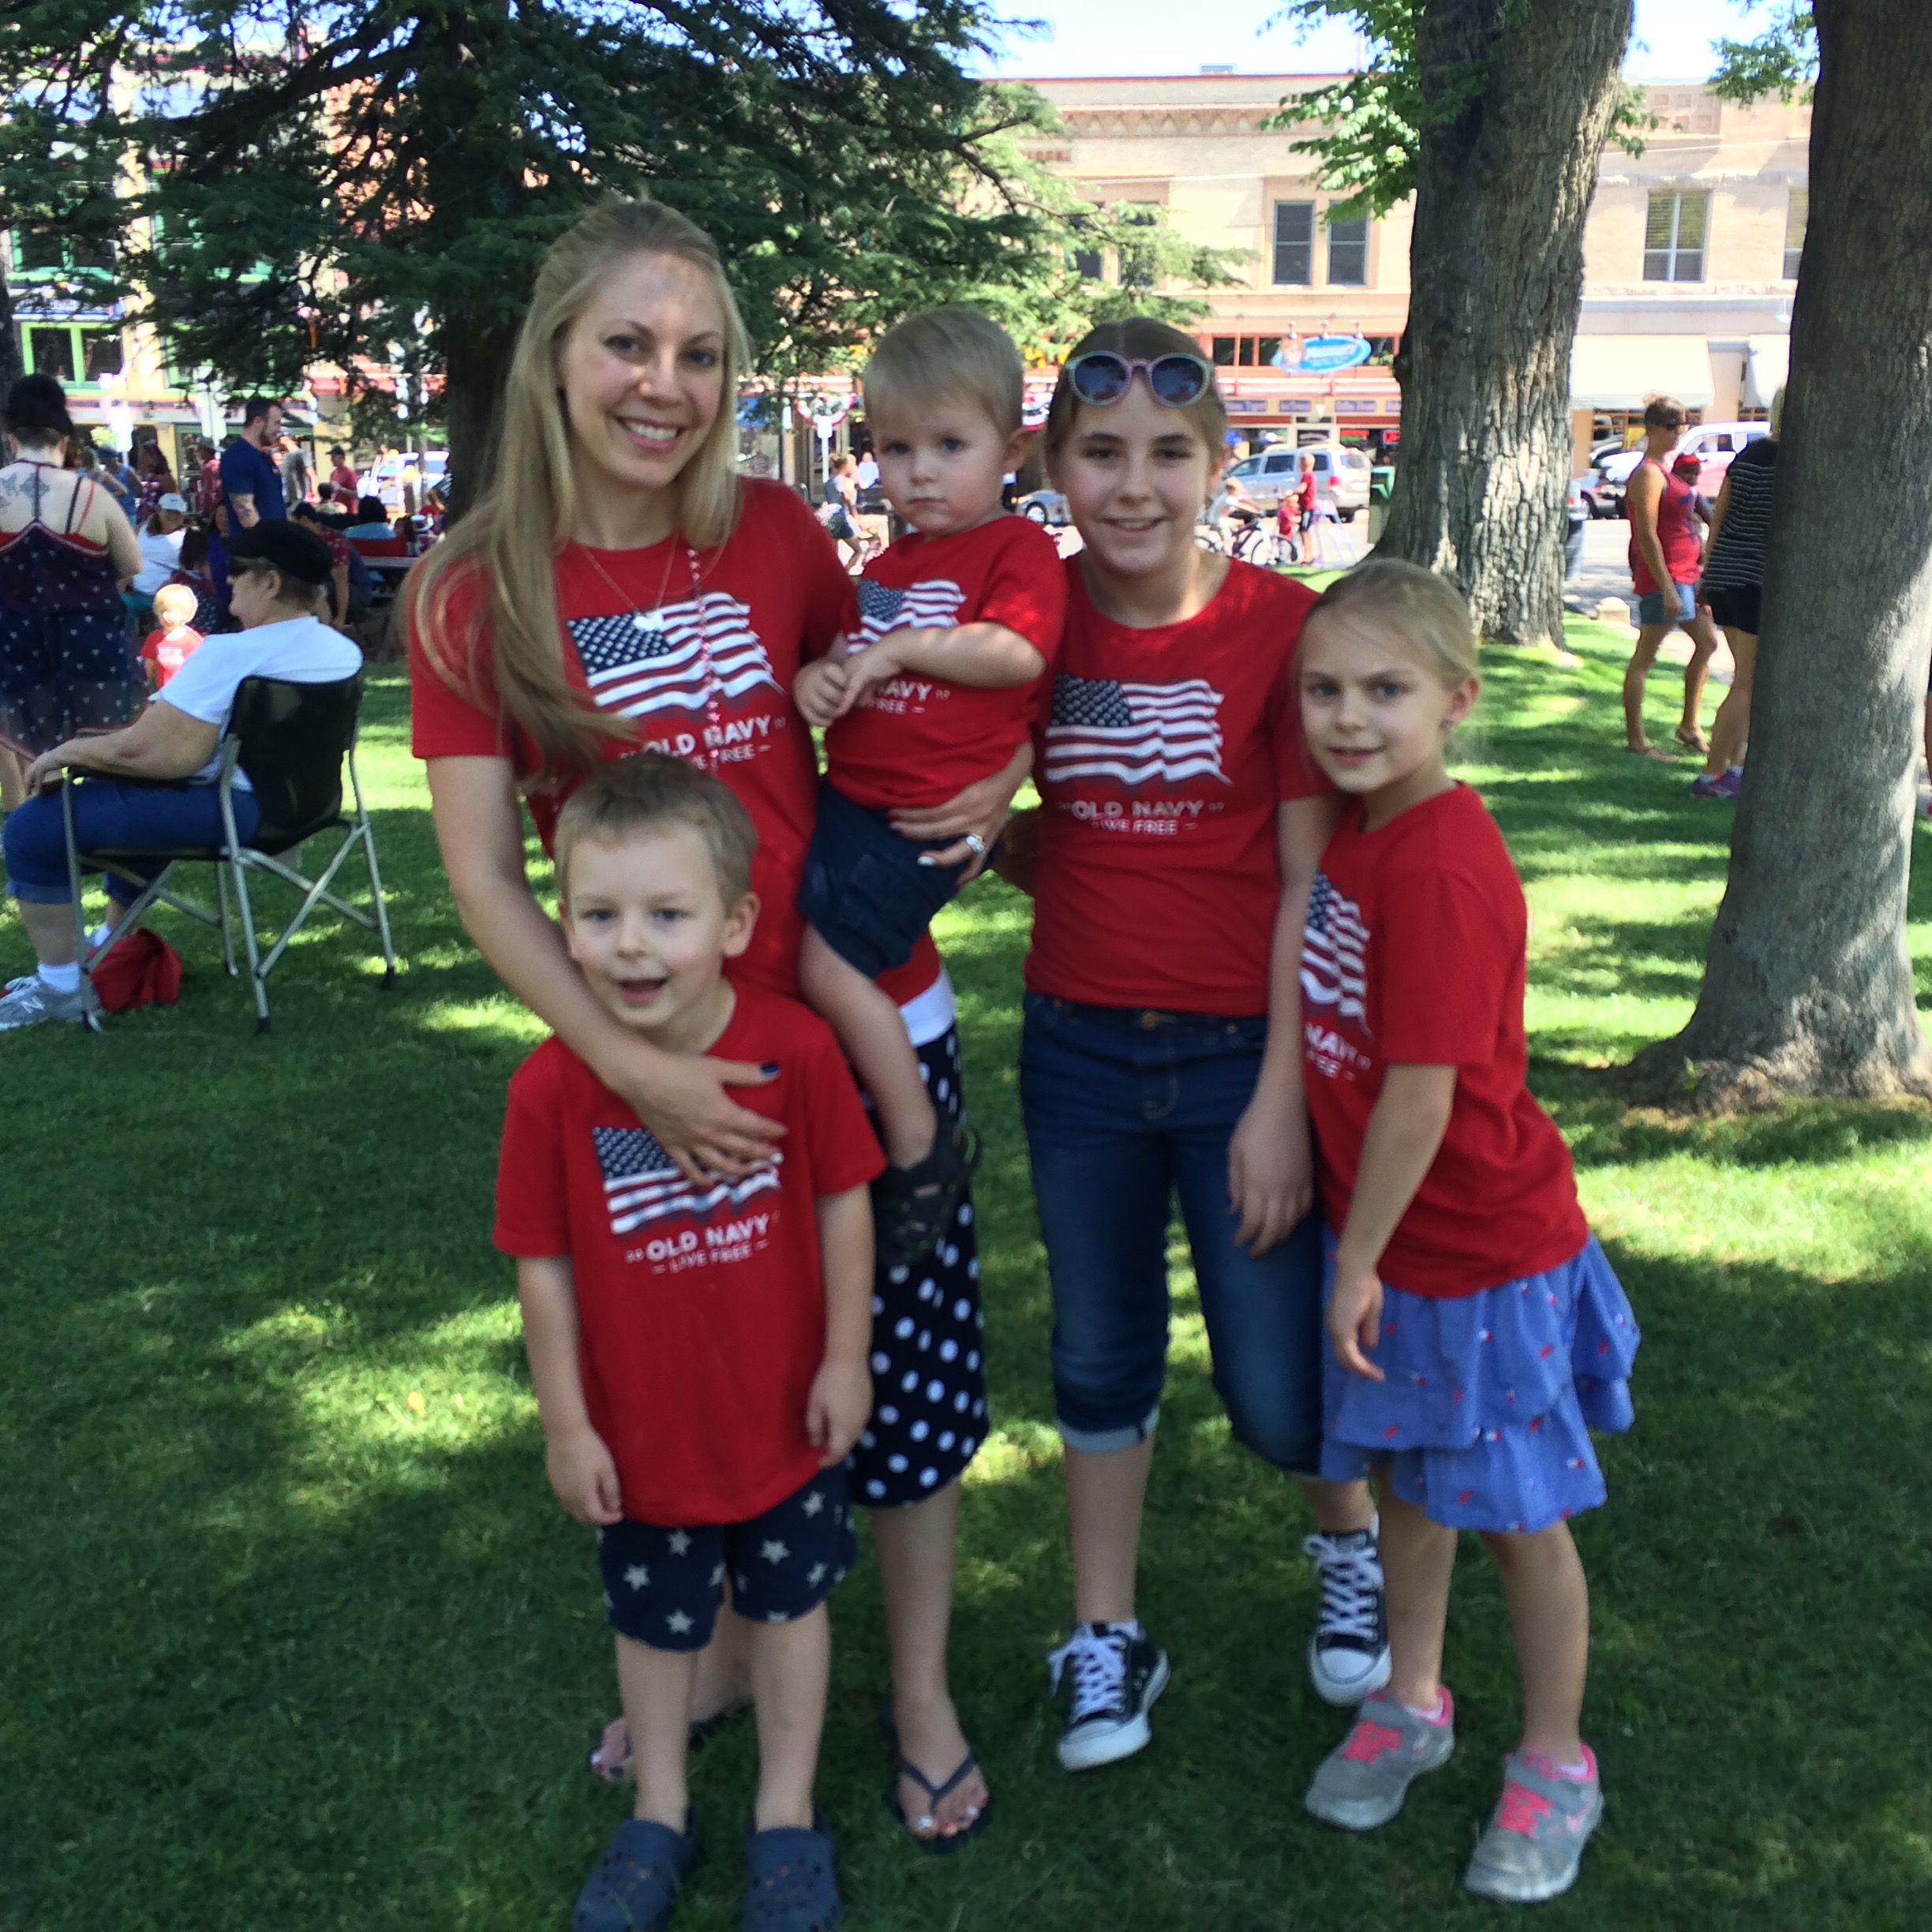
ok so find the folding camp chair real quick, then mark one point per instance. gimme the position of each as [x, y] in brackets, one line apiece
[292, 741]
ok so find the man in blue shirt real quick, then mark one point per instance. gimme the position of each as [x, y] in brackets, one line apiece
[251, 481]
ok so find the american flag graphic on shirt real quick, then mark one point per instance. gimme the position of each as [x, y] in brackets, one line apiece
[1334, 944]
[935, 605]
[1103, 728]
[642, 1183]
[679, 657]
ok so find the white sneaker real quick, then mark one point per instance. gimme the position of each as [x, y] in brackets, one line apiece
[1349, 1654]
[32, 1002]
[1117, 1671]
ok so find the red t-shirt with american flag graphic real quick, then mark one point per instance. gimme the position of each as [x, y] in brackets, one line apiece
[1161, 756]
[918, 741]
[1413, 956]
[701, 662]
[701, 1309]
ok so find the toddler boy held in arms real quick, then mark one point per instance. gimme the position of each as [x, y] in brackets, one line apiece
[930, 691]
[698, 1348]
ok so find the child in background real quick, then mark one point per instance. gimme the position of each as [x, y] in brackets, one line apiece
[1476, 1333]
[169, 647]
[698, 1353]
[932, 689]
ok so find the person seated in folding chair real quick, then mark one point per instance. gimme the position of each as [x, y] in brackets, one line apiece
[279, 573]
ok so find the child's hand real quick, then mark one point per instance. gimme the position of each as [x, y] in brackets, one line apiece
[818, 689]
[584, 1475]
[837, 1408]
[865, 670]
[1355, 1319]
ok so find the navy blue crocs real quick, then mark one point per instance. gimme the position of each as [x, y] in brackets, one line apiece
[635, 1885]
[791, 1886]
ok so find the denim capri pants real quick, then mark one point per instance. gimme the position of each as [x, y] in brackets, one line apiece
[1126, 1111]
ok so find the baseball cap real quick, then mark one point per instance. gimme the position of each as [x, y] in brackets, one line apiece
[173, 500]
[285, 547]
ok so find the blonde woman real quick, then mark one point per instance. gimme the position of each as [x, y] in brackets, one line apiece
[620, 587]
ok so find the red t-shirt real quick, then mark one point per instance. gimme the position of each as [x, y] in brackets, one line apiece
[1160, 760]
[1413, 956]
[702, 1311]
[344, 479]
[918, 741]
[168, 651]
[704, 672]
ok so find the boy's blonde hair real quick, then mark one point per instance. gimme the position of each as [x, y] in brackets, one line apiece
[950, 354]
[1424, 612]
[175, 597]
[631, 797]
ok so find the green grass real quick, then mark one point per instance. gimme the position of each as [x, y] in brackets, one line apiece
[280, 1648]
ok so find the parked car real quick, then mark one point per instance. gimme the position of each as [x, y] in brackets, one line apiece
[1578, 512]
[1341, 476]
[1044, 505]
[1713, 444]
[385, 477]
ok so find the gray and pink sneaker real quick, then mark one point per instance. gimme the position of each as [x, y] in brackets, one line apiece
[1362, 1782]
[1536, 1837]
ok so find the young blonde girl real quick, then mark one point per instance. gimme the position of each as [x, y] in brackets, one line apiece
[1476, 1333]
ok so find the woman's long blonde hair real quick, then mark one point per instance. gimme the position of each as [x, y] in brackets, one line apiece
[521, 520]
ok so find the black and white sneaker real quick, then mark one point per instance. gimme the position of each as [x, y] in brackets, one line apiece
[1349, 1654]
[1117, 1671]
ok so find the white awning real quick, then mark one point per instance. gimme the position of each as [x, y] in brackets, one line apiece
[1625, 372]
[1767, 363]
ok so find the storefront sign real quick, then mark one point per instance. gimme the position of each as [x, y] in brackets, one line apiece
[1323, 354]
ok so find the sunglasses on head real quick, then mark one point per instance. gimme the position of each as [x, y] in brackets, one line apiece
[1100, 377]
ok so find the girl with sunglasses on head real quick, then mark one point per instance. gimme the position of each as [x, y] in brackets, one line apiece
[1170, 862]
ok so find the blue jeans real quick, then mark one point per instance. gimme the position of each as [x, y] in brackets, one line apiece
[1124, 1110]
[110, 817]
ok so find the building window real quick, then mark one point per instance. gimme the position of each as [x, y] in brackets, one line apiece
[101, 350]
[1348, 251]
[1243, 351]
[50, 352]
[1795, 216]
[1674, 237]
[1295, 243]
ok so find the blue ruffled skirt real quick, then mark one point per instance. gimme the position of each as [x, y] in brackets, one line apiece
[1484, 1419]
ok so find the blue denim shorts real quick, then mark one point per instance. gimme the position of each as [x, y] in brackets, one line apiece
[1651, 607]
[865, 893]
[1127, 1110]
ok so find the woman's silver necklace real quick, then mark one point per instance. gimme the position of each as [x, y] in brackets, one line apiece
[653, 619]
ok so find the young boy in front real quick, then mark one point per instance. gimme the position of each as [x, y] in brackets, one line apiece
[929, 691]
[698, 1348]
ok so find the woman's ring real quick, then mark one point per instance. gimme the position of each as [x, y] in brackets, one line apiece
[976, 845]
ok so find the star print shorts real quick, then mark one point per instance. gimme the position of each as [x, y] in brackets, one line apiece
[663, 1586]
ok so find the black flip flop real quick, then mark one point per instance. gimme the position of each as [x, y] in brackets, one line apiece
[913, 1207]
[940, 1842]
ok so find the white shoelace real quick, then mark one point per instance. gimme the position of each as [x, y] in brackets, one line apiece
[1100, 1669]
[1351, 1580]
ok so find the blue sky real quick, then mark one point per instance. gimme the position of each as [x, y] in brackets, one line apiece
[1673, 40]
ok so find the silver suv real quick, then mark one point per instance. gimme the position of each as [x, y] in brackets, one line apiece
[1341, 477]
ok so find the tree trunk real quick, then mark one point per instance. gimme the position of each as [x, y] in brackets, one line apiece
[475, 360]
[1807, 984]
[1496, 275]
[9, 354]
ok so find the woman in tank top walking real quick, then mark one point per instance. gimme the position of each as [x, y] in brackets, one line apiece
[1665, 549]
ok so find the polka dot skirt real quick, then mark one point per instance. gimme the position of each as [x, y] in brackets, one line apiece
[929, 1407]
